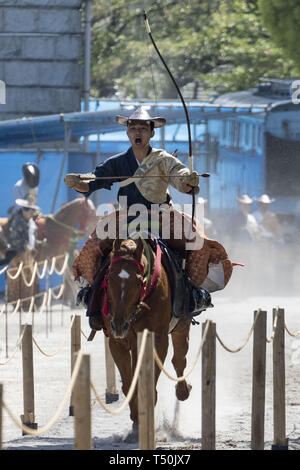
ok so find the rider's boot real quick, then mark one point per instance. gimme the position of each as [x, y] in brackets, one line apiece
[200, 300]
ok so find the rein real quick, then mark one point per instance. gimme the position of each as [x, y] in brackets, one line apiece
[144, 293]
[68, 227]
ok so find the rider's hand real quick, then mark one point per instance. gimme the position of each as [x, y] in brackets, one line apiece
[192, 181]
[73, 181]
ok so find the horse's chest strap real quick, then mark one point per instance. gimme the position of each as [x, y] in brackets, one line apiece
[156, 271]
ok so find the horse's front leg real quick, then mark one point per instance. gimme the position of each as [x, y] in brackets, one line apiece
[180, 340]
[121, 355]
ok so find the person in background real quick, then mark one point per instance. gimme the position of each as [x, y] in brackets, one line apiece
[245, 225]
[27, 187]
[21, 235]
[267, 221]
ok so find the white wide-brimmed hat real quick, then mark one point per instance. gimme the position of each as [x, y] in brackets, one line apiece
[245, 199]
[26, 204]
[141, 114]
[264, 198]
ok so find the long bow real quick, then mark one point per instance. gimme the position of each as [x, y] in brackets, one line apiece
[148, 29]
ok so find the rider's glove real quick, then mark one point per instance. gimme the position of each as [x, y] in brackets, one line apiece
[74, 181]
[192, 181]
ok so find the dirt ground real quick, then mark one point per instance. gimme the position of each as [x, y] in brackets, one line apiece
[178, 424]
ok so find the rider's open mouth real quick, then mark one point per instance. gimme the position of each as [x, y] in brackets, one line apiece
[138, 140]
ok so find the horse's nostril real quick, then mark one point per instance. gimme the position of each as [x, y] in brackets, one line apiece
[113, 325]
[125, 326]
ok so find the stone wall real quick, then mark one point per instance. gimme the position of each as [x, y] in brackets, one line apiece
[41, 45]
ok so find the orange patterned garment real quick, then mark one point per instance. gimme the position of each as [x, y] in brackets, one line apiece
[198, 261]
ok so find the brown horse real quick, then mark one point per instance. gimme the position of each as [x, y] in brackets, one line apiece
[61, 232]
[130, 304]
[74, 220]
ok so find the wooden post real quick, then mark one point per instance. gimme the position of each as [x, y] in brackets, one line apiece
[6, 315]
[258, 380]
[28, 380]
[146, 395]
[1, 414]
[46, 309]
[82, 406]
[280, 439]
[209, 388]
[111, 393]
[75, 347]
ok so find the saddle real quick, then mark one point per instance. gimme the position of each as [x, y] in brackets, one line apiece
[172, 263]
[187, 301]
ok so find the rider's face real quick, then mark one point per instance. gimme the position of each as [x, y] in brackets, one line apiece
[139, 134]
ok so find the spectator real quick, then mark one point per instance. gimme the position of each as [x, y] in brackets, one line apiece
[267, 220]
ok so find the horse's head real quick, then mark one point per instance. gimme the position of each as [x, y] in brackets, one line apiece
[79, 213]
[88, 217]
[125, 284]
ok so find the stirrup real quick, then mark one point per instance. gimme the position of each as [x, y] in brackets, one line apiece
[200, 300]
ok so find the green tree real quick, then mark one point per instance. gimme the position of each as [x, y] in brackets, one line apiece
[246, 51]
[215, 46]
[282, 19]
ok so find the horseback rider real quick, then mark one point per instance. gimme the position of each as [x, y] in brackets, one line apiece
[27, 187]
[21, 236]
[139, 159]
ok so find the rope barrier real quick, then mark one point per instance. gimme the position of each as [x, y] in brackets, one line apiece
[20, 269]
[83, 334]
[14, 351]
[62, 288]
[183, 377]
[52, 269]
[290, 333]
[48, 293]
[59, 347]
[245, 342]
[41, 276]
[33, 276]
[45, 428]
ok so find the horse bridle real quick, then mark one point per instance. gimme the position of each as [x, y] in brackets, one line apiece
[144, 291]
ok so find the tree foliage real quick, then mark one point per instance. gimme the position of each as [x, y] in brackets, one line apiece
[282, 19]
[213, 45]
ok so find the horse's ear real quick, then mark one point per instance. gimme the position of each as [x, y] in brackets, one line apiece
[117, 245]
[139, 248]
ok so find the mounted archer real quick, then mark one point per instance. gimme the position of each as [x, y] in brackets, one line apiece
[144, 174]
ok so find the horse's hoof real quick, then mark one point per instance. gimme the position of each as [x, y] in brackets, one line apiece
[183, 390]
